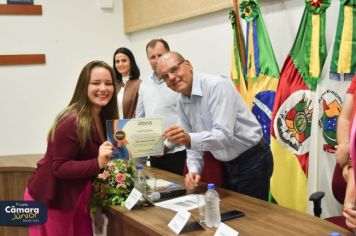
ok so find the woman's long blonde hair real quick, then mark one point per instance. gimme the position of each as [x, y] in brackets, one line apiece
[81, 104]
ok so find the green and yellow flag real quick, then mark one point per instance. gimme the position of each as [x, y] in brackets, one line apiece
[256, 67]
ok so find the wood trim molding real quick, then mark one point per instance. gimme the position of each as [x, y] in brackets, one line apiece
[12, 9]
[22, 59]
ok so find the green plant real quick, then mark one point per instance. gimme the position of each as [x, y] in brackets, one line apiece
[114, 185]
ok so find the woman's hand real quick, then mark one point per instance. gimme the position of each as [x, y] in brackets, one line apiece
[350, 215]
[350, 196]
[342, 153]
[105, 152]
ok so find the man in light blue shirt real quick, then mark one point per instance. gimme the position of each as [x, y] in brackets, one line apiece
[157, 100]
[214, 118]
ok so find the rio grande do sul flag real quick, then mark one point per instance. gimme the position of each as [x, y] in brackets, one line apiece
[261, 72]
[331, 92]
[292, 111]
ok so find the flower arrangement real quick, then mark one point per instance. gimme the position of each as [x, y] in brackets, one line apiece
[114, 185]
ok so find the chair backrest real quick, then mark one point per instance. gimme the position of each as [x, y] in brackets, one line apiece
[338, 185]
[339, 189]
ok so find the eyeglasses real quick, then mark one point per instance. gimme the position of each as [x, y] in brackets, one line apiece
[173, 70]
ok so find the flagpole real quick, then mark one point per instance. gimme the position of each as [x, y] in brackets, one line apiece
[239, 35]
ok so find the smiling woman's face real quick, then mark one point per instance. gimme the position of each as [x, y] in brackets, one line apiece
[100, 88]
[122, 64]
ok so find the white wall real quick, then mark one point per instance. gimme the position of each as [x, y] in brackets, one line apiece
[72, 33]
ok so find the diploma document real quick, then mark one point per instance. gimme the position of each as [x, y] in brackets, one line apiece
[135, 137]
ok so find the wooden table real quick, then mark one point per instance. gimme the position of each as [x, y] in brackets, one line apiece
[262, 218]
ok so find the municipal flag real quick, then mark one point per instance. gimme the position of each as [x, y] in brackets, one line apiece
[331, 92]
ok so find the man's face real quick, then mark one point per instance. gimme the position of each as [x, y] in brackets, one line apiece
[177, 73]
[154, 53]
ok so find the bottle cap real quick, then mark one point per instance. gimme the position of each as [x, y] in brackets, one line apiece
[211, 186]
[334, 234]
[139, 167]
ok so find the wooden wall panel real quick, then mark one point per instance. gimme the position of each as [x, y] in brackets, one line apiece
[143, 14]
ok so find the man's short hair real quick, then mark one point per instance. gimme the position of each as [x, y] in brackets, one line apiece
[153, 43]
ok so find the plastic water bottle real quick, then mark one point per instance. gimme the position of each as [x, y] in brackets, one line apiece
[212, 207]
[140, 181]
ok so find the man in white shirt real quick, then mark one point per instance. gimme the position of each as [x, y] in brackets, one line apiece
[215, 119]
[157, 100]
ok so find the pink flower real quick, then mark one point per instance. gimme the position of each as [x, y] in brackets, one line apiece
[104, 175]
[120, 178]
[121, 185]
[111, 166]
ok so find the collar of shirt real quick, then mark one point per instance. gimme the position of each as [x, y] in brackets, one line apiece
[155, 79]
[196, 89]
[196, 86]
[125, 79]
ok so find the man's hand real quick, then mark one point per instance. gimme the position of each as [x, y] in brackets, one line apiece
[176, 135]
[191, 180]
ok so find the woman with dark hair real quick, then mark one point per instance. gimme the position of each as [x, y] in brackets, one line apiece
[76, 153]
[127, 82]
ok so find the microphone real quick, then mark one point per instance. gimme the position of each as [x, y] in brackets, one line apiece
[155, 196]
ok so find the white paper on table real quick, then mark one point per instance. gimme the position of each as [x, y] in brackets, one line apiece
[133, 198]
[179, 221]
[184, 203]
[225, 230]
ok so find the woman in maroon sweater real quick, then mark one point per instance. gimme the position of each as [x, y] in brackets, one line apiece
[76, 152]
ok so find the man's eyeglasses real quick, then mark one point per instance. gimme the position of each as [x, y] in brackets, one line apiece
[173, 70]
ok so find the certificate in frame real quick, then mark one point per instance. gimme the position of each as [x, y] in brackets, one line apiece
[135, 137]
